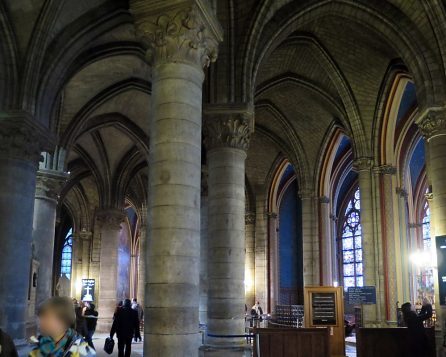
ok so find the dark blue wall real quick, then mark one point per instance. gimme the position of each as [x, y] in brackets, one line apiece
[290, 247]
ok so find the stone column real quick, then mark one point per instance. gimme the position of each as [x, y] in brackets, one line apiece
[326, 241]
[250, 259]
[182, 38]
[370, 249]
[391, 259]
[432, 124]
[49, 185]
[271, 264]
[310, 239]
[142, 274]
[203, 309]
[227, 139]
[109, 221]
[21, 142]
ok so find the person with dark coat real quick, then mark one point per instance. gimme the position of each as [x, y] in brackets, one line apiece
[81, 324]
[418, 343]
[91, 317]
[125, 326]
[7, 347]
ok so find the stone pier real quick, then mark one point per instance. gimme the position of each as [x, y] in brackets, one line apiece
[49, 185]
[227, 139]
[109, 222]
[182, 39]
[21, 142]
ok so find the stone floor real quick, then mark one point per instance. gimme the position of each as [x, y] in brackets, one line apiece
[138, 347]
[99, 340]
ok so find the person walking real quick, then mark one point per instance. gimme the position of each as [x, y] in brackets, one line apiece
[125, 326]
[418, 343]
[91, 317]
[137, 307]
[58, 337]
[7, 347]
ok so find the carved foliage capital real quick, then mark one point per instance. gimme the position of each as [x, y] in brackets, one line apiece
[362, 164]
[49, 184]
[227, 130]
[110, 218]
[433, 123]
[385, 170]
[22, 138]
[183, 33]
[250, 218]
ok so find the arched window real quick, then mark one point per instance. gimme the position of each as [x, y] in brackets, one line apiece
[351, 244]
[67, 255]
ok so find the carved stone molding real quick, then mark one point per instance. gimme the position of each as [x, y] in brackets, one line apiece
[429, 196]
[402, 192]
[415, 225]
[432, 122]
[385, 170]
[110, 218]
[227, 130]
[272, 215]
[181, 31]
[324, 200]
[362, 164]
[250, 218]
[22, 138]
[49, 184]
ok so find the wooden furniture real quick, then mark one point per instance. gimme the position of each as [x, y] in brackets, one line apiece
[291, 342]
[324, 307]
[389, 342]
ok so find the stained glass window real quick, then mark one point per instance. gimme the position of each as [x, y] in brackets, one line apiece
[351, 244]
[67, 255]
[426, 227]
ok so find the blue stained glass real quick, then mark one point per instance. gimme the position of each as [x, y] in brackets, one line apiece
[358, 255]
[67, 255]
[349, 256]
[352, 243]
[347, 243]
[349, 269]
[359, 270]
[349, 281]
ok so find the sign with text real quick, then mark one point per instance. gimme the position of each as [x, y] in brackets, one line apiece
[87, 293]
[324, 309]
[361, 295]
[441, 264]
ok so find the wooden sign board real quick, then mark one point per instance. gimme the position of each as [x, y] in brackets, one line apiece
[324, 307]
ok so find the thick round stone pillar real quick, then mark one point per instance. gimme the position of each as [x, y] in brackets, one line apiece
[227, 139]
[183, 38]
[250, 260]
[21, 142]
[109, 221]
[203, 309]
[49, 184]
[432, 124]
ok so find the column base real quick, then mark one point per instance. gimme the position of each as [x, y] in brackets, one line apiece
[225, 351]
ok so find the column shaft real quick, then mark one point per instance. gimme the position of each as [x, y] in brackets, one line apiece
[226, 242]
[110, 228]
[20, 147]
[250, 260]
[49, 184]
